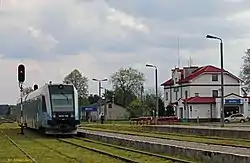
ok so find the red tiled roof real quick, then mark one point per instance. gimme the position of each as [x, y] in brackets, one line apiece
[200, 100]
[198, 72]
[168, 82]
[205, 69]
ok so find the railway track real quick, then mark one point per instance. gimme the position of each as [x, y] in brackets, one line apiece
[52, 149]
[173, 136]
[100, 151]
[167, 158]
[21, 149]
[122, 158]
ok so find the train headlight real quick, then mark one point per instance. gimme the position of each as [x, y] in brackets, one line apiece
[54, 116]
[72, 115]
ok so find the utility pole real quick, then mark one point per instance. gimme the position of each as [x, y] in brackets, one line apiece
[156, 89]
[100, 93]
[156, 93]
[222, 78]
[105, 106]
[142, 89]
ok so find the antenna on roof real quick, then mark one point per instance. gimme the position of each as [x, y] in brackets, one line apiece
[178, 57]
[190, 62]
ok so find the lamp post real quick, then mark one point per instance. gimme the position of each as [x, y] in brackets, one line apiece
[156, 88]
[99, 90]
[222, 77]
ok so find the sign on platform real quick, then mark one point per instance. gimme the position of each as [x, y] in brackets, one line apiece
[233, 101]
[89, 108]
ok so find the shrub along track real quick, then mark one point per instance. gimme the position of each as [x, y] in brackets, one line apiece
[241, 143]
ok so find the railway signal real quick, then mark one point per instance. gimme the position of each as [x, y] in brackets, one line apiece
[21, 79]
[21, 73]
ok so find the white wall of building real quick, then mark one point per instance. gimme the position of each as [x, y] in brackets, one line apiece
[199, 110]
[205, 90]
[206, 78]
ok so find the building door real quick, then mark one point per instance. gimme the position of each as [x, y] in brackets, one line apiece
[229, 110]
[181, 111]
[87, 115]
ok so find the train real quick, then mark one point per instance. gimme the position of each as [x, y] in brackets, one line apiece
[51, 109]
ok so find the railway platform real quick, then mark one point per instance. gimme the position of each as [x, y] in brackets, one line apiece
[206, 152]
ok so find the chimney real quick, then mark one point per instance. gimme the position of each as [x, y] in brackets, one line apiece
[189, 70]
[35, 87]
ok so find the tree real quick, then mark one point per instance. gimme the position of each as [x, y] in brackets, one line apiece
[83, 101]
[170, 110]
[150, 102]
[127, 83]
[93, 99]
[111, 95]
[245, 70]
[134, 108]
[79, 81]
[27, 90]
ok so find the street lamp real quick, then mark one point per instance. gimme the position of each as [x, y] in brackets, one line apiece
[99, 90]
[156, 88]
[222, 77]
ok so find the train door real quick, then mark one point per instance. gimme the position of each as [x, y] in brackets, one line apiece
[40, 112]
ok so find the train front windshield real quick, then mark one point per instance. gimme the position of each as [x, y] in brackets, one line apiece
[62, 102]
[62, 98]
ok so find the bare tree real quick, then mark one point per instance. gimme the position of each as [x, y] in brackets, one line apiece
[27, 90]
[245, 70]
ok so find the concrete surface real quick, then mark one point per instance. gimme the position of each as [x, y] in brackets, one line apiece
[204, 152]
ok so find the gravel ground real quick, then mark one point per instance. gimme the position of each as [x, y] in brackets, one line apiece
[201, 146]
[243, 127]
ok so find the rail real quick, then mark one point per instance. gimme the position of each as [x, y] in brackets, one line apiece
[56, 151]
[137, 151]
[14, 143]
[100, 151]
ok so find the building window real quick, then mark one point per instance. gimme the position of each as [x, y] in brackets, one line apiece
[215, 93]
[191, 108]
[176, 95]
[215, 77]
[186, 94]
[175, 80]
[196, 94]
[166, 95]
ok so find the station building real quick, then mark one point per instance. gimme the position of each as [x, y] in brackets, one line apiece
[195, 92]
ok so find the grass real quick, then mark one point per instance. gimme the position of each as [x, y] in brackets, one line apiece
[138, 130]
[10, 153]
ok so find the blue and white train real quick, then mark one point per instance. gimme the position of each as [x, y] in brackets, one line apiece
[53, 108]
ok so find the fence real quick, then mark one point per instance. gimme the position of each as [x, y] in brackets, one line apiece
[153, 121]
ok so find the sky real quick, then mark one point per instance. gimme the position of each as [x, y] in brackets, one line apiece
[53, 37]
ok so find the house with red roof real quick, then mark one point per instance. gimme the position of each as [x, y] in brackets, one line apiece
[195, 92]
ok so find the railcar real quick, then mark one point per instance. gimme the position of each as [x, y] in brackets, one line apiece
[52, 109]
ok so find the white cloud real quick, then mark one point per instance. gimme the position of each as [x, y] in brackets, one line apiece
[54, 37]
[126, 20]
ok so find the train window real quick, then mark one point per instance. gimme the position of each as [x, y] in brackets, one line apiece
[44, 108]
